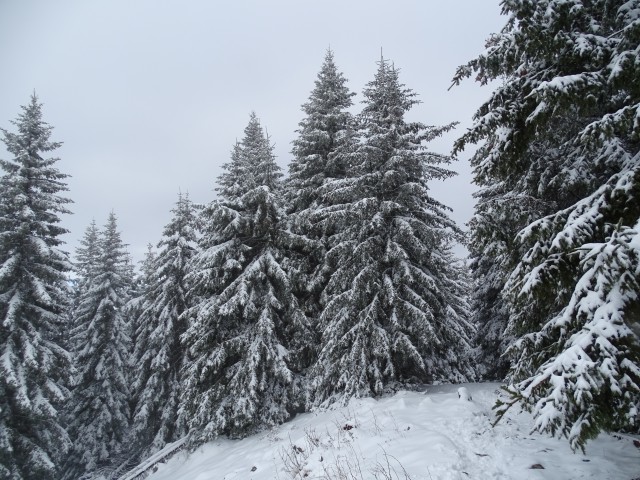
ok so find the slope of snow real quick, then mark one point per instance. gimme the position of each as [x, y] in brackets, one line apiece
[434, 435]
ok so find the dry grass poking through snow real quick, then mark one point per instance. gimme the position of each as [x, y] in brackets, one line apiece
[432, 435]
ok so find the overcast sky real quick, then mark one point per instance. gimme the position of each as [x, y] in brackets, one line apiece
[149, 96]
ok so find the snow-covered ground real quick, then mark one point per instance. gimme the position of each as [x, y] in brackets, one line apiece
[431, 435]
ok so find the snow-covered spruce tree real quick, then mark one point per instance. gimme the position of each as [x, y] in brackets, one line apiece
[132, 312]
[140, 290]
[394, 308]
[159, 357]
[325, 138]
[246, 328]
[99, 407]
[571, 88]
[33, 299]
[86, 261]
[512, 196]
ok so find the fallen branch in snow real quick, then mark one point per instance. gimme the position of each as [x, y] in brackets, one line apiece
[163, 455]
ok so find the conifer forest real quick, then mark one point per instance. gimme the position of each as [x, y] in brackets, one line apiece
[299, 288]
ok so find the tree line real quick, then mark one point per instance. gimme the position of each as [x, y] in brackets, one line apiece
[290, 293]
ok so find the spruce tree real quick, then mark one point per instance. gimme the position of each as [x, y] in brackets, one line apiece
[565, 121]
[133, 311]
[321, 150]
[159, 357]
[33, 299]
[394, 310]
[246, 327]
[135, 307]
[99, 408]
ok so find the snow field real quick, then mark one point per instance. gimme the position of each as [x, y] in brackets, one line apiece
[432, 435]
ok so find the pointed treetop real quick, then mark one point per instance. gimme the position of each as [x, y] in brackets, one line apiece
[385, 96]
[330, 93]
[252, 163]
[33, 132]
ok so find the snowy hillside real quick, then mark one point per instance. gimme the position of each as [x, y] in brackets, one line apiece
[432, 435]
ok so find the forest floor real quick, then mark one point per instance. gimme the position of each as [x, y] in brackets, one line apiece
[430, 435]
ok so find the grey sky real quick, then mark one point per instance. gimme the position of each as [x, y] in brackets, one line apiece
[149, 96]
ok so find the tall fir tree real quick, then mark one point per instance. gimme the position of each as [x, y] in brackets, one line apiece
[84, 268]
[566, 120]
[135, 307]
[133, 311]
[320, 157]
[159, 357]
[33, 299]
[99, 407]
[395, 310]
[246, 327]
